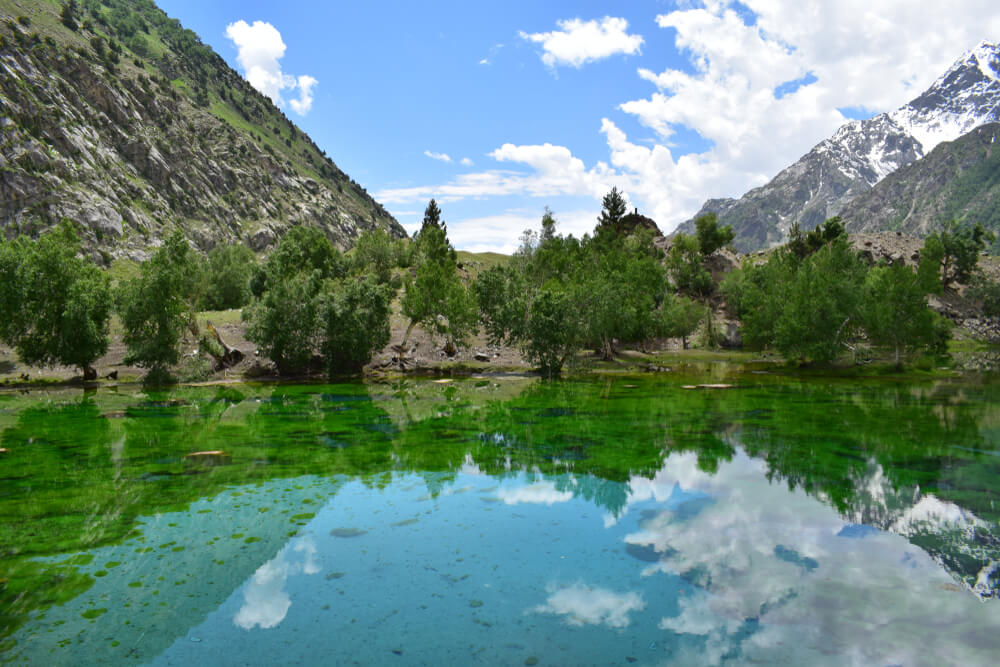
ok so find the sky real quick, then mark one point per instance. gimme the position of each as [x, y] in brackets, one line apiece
[499, 109]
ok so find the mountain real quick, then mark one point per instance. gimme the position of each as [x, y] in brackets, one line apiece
[114, 116]
[862, 153]
[958, 179]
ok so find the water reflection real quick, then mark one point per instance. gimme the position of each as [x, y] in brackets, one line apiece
[777, 522]
[265, 601]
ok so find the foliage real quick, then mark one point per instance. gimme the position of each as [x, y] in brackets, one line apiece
[987, 292]
[432, 218]
[803, 245]
[306, 301]
[895, 313]
[685, 264]
[374, 253]
[228, 271]
[55, 305]
[613, 209]
[959, 247]
[436, 298]
[156, 307]
[69, 16]
[354, 322]
[710, 236]
[283, 319]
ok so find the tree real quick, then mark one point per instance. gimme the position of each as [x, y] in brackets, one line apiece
[284, 318]
[373, 253]
[432, 217]
[158, 305]
[803, 245]
[354, 322]
[959, 247]
[436, 298]
[685, 263]
[68, 15]
[56, 306]
[613, 210]
[895, 313]
[710, 236]
[227, 281]
[678, 317]
[821, 305]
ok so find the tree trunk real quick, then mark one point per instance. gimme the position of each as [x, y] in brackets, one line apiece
[89, 373]
[402, 346]
[608, 349]
[230, 355]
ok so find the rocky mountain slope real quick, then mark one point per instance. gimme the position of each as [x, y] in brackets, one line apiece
[862, 153]
[121, 120]
[958, 179]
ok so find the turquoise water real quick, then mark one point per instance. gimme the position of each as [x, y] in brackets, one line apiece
[503, 521]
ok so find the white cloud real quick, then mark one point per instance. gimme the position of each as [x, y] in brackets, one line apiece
[466, 162]
[578, 42]
[860, 54]
[442, 157]
[484, 61]
[259, 50]
[587, 605]
[501, 232]
[539, 493]
[305, 101]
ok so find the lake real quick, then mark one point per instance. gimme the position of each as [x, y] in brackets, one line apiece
[503, 520]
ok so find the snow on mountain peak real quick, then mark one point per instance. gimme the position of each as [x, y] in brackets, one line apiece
[987, 55]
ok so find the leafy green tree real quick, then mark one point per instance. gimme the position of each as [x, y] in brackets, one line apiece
[959, 247]
[757, 294]
[354, 322]
[678, 317]
[373, 253]
[228, 271]
[158, 305]
[822, 304]
[56, 306]
[613, 209]
[710, 236]
[803, 245]
[436, 298]
[544, 323]
[685, 264]
[284, 318]
[895, 314]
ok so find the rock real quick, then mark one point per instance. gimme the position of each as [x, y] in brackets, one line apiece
[733, 337]
[263, 238]
[479, 356]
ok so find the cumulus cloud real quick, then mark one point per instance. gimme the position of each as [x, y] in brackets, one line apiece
[259, 52]
[305, 101]
[587, 605]
[442, 157]
[539, 493]
[466, 162]
[759, 93]
[578, 42]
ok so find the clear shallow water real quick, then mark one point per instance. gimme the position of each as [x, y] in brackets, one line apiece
[503, 521]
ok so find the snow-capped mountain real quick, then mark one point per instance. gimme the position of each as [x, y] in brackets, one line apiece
[862, 153]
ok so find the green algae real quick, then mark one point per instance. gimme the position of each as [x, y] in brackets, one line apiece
[822, 435]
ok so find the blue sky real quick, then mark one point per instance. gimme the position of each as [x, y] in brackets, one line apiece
[552, 103]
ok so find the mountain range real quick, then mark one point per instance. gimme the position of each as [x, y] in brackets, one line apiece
[861, 154]
[116, 117]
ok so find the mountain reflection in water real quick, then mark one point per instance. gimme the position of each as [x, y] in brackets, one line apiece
[780, 522]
